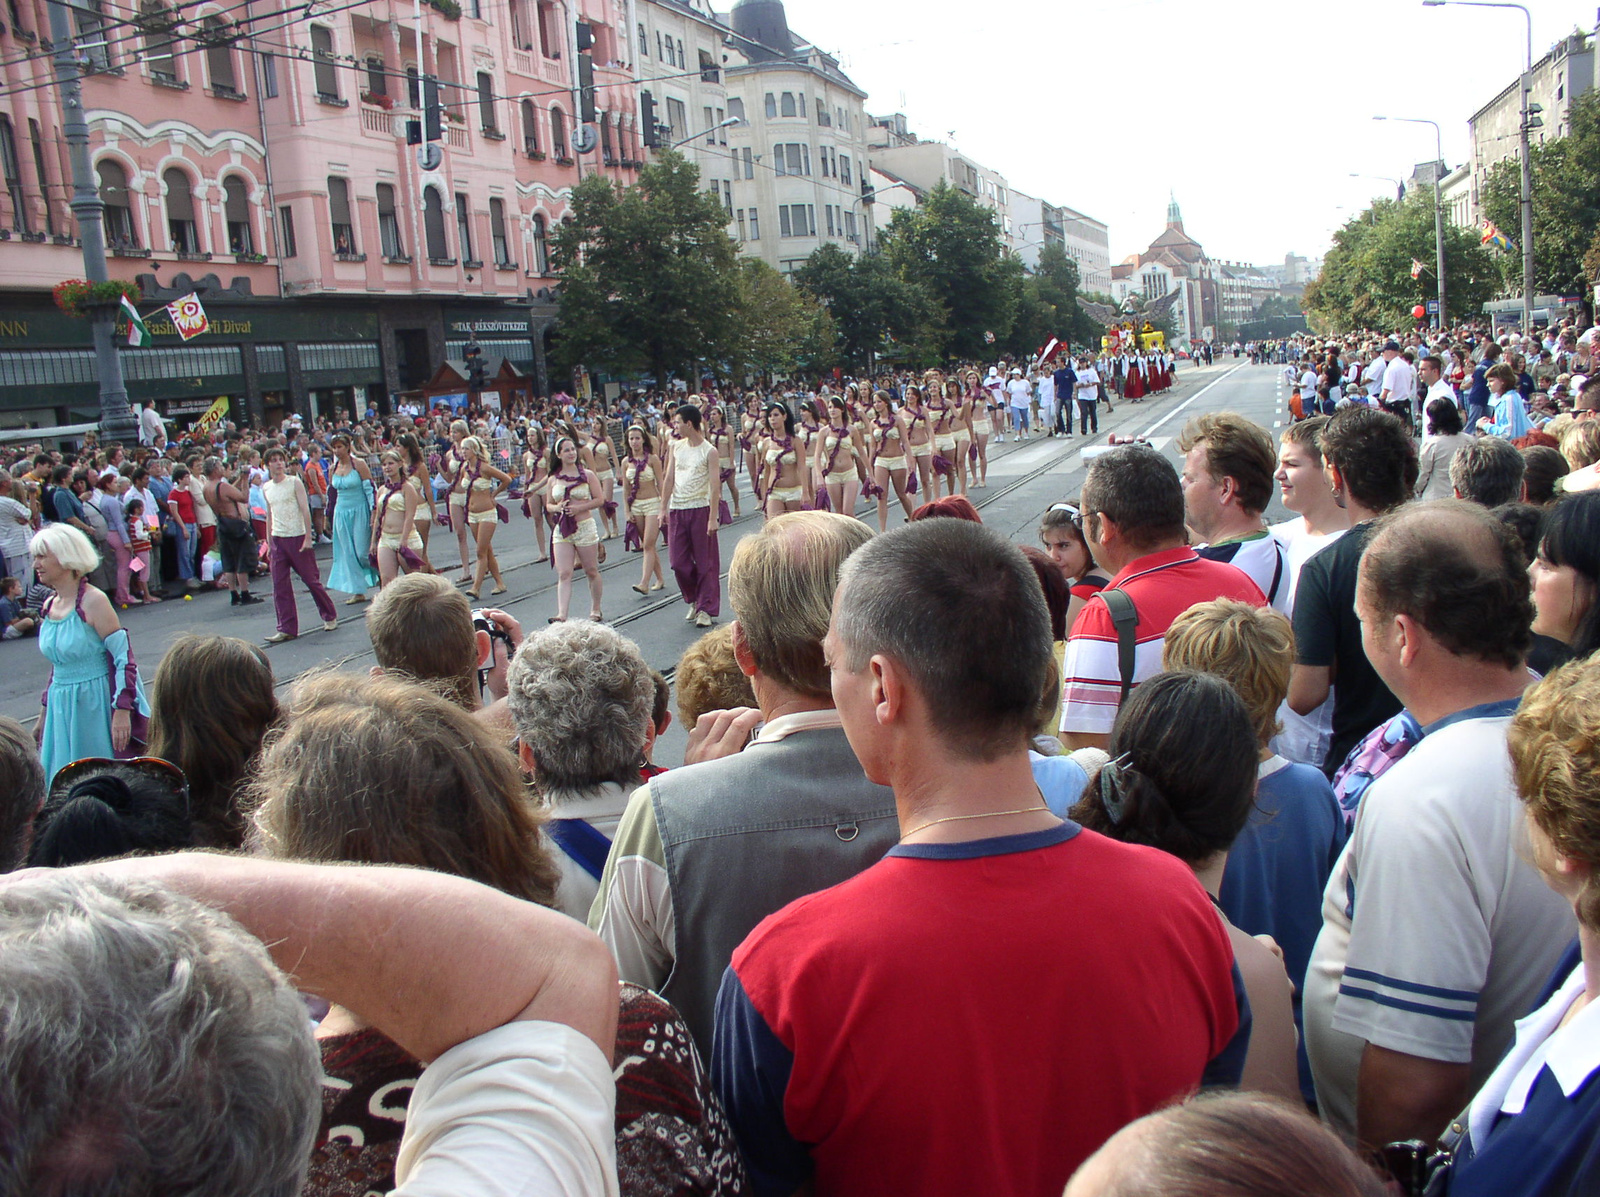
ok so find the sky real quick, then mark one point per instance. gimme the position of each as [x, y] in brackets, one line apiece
[1255, 113]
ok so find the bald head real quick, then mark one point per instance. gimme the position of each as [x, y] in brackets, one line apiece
[1459, 572]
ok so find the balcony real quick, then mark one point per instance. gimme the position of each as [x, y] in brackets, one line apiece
[347, 256]
[535, 153]
[128, 250]
[35, 238]
[471, 264]
[521, 63]
[492, 134]
[397, 259]
[191, 255]
[332, 101]
[456, 137]
[250, 259]
[375, 122]
[167, 79]
[563, 158]
[441, 261]
[507, 265]
[223, 92]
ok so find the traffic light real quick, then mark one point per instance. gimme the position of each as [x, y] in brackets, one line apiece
[586, 86]
[432, 113]
[477, 378]
[585, 36]
[647, 118]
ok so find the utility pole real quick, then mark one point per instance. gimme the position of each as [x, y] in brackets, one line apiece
[1527, 191]
[117, 422]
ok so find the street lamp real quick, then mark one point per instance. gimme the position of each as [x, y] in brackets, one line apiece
[732, 120]
[1438, 203]
[1527, 169]
[1399, 185]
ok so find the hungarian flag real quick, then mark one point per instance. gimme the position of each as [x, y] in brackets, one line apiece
[138, 334]
[1416, 268]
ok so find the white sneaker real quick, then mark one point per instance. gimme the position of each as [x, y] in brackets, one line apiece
[690, 616]
[702, 620]
[330, 625]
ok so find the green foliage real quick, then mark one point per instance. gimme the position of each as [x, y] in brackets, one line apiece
[874, 310]
[779, 326]
[650, 279]
[950, 245]
[1566, 205]
[1366, 276]
[76, 296]
[1049, 306]
[1278, 305]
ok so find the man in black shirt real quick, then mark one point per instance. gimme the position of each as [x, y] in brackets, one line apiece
[1066, 380]
[1372, 466]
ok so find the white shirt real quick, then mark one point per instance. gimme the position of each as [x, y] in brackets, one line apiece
[602, 809]
[150, 426]
[1088, 380]
[690, 481]
[1438, 932]
[1021, 392]
[1439, 390]
[283, 502]
[1400, 380]
[1047, 389]
[15, 529]
[525, 1110]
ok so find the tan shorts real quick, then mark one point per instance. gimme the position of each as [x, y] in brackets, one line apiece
[945, 442]
[922, 450]
[644, 508]
[608, 476]
[474, 518]
[892, 463]
[786, 494]
[391, 540]
[586, 535]
[839, 477]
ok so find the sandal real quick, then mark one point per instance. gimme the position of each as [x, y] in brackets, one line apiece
[597, 617]
[640, 589]
[473, 593]
[498, 590]
[557, 619]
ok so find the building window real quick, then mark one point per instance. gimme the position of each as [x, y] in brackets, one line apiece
[792, 158]
[677, 118]
[521, 29]
[797, 220]
[558, 132]
[377, 76]
[722, 129]
[413, 88]
[711, 126]
[801, 97]
[740, 215]
[708, 68]
[344, 232]
[286, 240]
[215, 32]
[736, 107]
[607, 154]
[13, 174]
[672, 55]
[42, 173]
[844, 169]
[433, 225]
[324, 72]
[549, 30]
[786, 107]
[772, 105]
[827, 211]
[659, 52]
[644, 42]
[464, 227]
[497, 233]
[541, 254]
[850, 225]
[236, 211]
[683, 59]
[158, 41]
[749, 163]
[269, 75]
[389, 224]
[823, 118]
[182, 234]
[486, 112]
[530, 127]
[727, 197]
[755, 224]
[91, 26]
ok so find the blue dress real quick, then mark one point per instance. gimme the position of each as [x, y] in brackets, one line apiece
[352, 534]
[80, 701]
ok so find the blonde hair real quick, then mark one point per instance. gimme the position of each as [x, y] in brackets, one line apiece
[477, 447]
[421, 626]
[708, 678]
[379, 770]
[1580, 445]
[70, 547]
[781, 585]
[1250, 648]
[1554, 740]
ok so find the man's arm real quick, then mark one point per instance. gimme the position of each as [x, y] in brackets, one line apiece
[1400, 1097]
[1309, 687]
[429, 959]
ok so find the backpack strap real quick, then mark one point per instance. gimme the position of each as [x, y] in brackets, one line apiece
[1277, 572]
[1125, 618]
[588, 847]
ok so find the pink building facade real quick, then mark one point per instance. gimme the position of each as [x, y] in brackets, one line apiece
[264, 161]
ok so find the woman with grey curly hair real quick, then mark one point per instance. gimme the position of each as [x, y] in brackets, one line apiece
[581, 698]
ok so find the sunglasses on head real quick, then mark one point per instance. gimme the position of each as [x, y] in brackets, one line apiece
[160, 770]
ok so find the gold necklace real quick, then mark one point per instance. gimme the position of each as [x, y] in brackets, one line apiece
[988, 814]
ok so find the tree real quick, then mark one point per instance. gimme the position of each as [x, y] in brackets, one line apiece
[950, 245]
[649, 275]
[1366, 276]
[1050, 306]
[1277, 305]
[777, 325]
[870, 304]
[1566, 204]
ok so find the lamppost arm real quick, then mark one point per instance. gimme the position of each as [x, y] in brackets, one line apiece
[1438, 201]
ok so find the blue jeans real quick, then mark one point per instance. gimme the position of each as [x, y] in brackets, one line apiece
[1019, 419]
[188, 537]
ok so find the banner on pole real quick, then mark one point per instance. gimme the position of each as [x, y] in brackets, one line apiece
[212, 414]
[189, 316]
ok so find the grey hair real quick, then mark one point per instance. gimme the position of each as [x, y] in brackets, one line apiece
[148, 1045]
[581, 699]
[210, 466]
[961, 609]
[1488, 470]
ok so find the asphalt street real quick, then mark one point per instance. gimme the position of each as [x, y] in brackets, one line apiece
[1024, 479]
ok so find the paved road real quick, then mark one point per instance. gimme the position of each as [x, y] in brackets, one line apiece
[1023, 480]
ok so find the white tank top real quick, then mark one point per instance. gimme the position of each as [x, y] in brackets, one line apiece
[690, 484]
[284, 505]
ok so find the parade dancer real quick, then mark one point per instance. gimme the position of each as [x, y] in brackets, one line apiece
[721, 438]
[888, 457]
[919, 440]
[642, 475]
[692, 518]
[786, 475]
[978, 430]
[839, 441]
[396, 537]
[573, 498]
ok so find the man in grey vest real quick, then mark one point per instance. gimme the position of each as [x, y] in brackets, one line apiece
[706, 852]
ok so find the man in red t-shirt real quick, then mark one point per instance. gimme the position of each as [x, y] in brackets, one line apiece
[986, 1005]
[1133, 523]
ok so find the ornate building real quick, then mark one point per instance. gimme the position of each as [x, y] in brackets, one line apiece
[1174, 265]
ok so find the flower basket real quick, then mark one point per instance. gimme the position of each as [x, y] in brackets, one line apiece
[449, 9]
[77, 297]
[377, 101]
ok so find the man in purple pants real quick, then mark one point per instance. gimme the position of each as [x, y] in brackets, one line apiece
[692, 471]
[289, 513]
